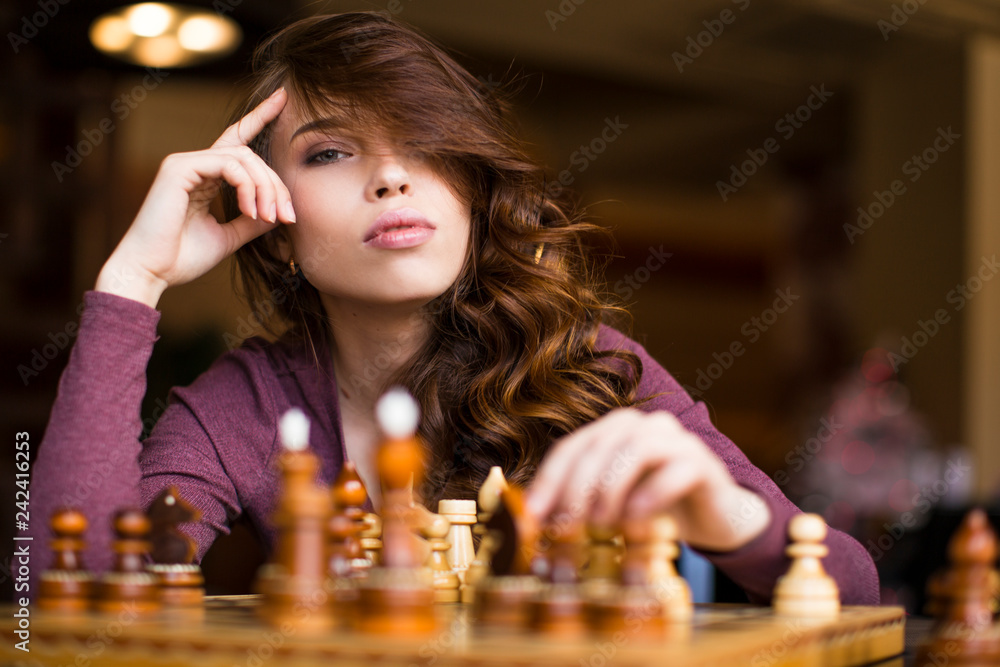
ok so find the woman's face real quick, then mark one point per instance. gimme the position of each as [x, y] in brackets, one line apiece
[375, 225]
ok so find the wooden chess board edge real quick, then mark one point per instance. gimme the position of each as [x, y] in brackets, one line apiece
[229, 635]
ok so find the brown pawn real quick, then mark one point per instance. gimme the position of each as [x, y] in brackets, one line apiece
[293, 584]
[182, 585]
[397, 597]
[965, 634]
[342, 578]
[806, 591]
[346, 524]
[67, 586]
[558, 609]
[128, 585]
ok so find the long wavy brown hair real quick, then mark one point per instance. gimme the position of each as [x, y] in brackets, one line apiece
[512, 363]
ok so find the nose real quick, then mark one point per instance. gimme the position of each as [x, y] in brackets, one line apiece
[389, 177]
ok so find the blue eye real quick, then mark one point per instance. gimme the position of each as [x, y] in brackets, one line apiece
[327, 156]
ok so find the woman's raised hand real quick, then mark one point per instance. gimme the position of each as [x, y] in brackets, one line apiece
[174, 238]
[630, 463]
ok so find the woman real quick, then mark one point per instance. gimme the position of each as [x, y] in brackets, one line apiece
[379, 198]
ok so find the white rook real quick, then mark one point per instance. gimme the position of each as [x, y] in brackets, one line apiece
[462, 515]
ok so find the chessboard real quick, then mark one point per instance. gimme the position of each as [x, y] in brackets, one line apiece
[225, 631]
[409, 586]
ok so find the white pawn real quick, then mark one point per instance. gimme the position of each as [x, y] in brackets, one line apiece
[671, 588]
[806, 590]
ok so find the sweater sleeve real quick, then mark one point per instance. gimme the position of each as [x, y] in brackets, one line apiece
[90, 455]
[756, 566]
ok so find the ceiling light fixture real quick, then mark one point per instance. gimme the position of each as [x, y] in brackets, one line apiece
[159, 34]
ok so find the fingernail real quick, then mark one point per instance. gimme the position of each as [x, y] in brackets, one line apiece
[277, 91]
[289, 211]
[273, 217]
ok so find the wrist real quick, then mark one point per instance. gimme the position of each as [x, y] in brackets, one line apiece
[122, 279]
[735, 518]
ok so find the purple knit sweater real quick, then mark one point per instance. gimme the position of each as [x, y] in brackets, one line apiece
[218, 438]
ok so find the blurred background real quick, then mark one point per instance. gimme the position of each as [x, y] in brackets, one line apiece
[805, 198]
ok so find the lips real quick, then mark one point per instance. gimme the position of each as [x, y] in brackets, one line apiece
[400, 228]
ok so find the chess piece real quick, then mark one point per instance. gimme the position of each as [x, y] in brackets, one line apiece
[461, 514]
[293, 584]
[489, 493]
[397, 597]
[182, 584]
[652, 600]
[633, 604]
[964, 633]
[446, 582]
[67, 586]
[503, 599]
[603, 556]
[371, 542]
[806, 590]
[347, 523]
[128, 585]
[342, 578]
[489, 499]
[558, 609]
[671, 588]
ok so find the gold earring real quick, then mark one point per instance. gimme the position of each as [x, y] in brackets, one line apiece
[293, 266]
[538, 252]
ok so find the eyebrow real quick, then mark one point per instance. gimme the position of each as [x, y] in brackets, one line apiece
[318, 124]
